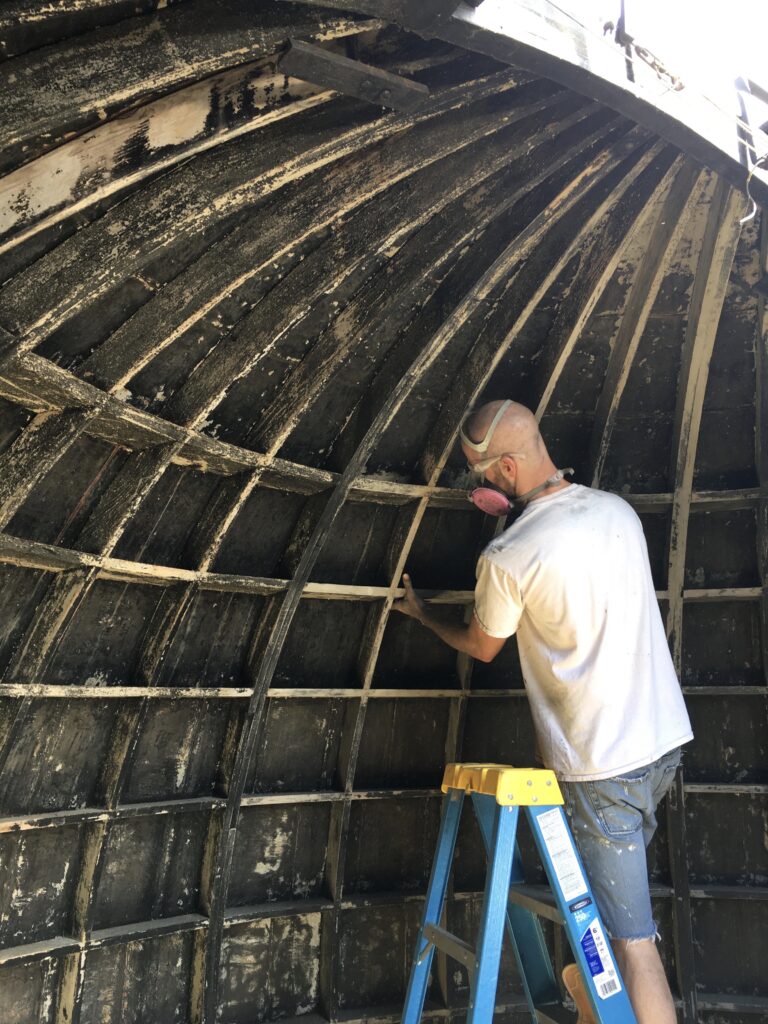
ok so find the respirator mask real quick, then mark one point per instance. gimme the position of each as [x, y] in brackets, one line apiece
[487, 498]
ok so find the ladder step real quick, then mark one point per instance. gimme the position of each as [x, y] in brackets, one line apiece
[554, 1013]
[537, 898]
[451, 944]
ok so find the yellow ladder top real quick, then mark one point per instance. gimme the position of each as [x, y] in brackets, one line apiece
[508, 785]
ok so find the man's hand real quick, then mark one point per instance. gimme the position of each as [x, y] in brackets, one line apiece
[468, 638]
[411, 604]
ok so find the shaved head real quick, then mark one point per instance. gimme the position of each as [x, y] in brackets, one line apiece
[516, 431]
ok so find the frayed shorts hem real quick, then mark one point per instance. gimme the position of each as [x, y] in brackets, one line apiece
[633, 939]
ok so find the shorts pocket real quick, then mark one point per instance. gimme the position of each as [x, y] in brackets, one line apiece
[664, 782]
[619, 803]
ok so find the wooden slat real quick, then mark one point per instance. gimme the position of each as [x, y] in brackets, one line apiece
[81, 815]
[38, 691]
[121, 693]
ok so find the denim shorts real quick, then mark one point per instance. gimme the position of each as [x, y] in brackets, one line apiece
[613, 821]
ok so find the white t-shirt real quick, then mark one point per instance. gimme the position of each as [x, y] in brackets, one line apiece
[571, 577]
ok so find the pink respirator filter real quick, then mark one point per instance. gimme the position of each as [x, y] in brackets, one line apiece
[492, 502]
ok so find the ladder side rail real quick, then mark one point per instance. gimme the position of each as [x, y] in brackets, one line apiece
[534, 963]
[433, 905]
[488, 949]
[581, 919]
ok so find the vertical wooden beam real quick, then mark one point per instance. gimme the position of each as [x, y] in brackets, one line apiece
[713, 268]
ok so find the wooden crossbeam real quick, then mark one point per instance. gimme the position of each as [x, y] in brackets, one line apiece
[313, 63]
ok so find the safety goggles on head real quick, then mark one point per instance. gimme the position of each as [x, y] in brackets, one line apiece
[484, 445]
[477, 470]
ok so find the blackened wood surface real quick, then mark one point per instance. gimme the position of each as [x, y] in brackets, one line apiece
[241, 322]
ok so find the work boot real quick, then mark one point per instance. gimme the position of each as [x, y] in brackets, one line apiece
[574, 982]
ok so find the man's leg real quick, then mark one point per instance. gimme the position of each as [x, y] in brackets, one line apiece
[611, 821]
[643, 973]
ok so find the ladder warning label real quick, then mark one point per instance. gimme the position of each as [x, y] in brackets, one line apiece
[595, 947]
[560, 848]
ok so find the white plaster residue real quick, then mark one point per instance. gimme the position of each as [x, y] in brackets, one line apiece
[184, 753]
[275, 848]
[40, 189]
[122, 394]
[99, 679]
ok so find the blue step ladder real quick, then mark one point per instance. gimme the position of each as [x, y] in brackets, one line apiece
[498, 792]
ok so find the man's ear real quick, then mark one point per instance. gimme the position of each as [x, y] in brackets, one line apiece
[509, 467]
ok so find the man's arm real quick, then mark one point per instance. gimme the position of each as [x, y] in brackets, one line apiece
[468, 638]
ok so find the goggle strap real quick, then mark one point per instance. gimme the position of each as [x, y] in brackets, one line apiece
[484, 445]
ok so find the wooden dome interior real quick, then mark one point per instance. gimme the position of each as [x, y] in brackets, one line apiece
[241, 318]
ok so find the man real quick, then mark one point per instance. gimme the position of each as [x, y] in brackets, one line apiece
[571, 578]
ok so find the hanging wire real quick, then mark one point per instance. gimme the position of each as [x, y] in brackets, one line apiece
[758, 163]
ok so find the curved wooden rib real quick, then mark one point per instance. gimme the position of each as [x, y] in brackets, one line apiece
[188, 206]
[600, 264]
[710, 283]
[303, 220]
[664, 239]
[713, 268]
[466, 170]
